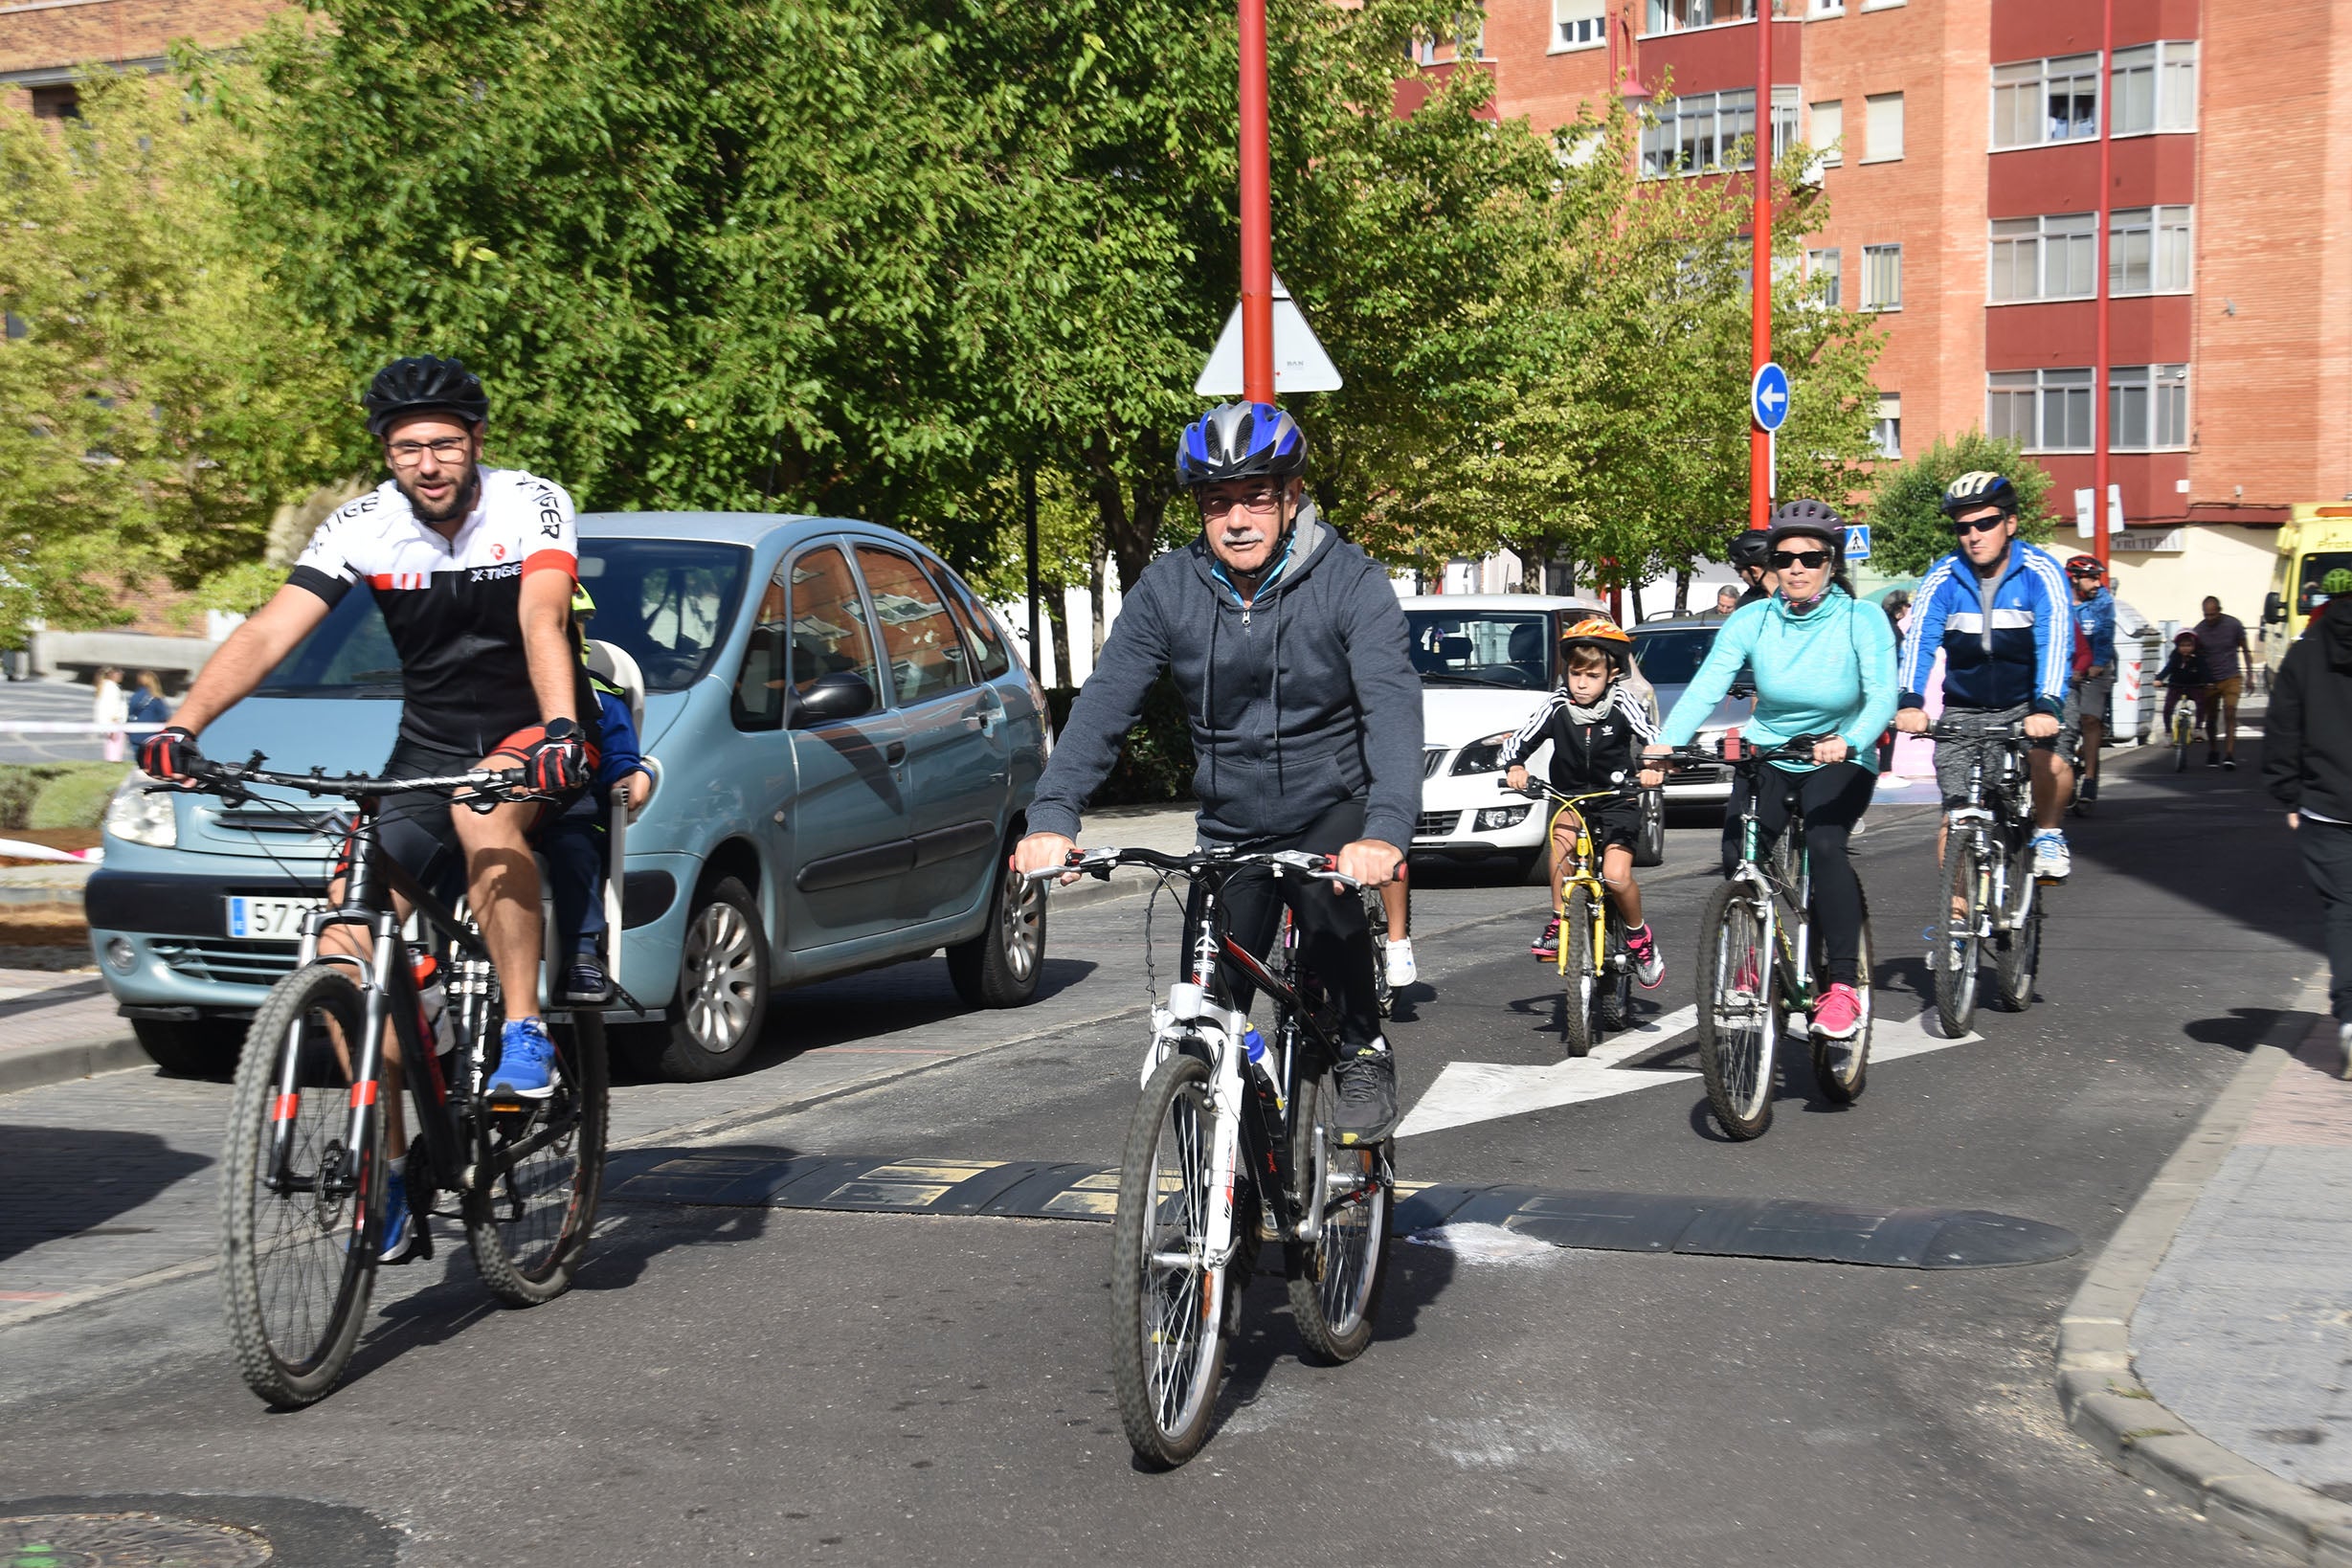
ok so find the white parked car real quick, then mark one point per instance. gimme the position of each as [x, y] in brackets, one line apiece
[1486, 661]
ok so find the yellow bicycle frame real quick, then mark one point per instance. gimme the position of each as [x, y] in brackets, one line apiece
[1584, 873]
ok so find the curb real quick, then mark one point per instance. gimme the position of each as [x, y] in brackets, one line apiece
[2107, 1404]
[38, 1065]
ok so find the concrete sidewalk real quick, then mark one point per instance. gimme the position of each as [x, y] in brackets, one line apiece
[2210, 1352]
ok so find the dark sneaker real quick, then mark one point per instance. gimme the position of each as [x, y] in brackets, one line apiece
[2230, 764]
[526, 1062]
[586, 982]
[1547, 946]
[1367, 1110]
[2212, 759]
[2090, 788]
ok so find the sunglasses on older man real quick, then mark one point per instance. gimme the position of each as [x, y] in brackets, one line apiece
[1811, 560]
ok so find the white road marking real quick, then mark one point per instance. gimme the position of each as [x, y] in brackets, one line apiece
[1486, 1091]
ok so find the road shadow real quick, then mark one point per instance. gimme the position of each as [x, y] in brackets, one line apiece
[62, 1181]
[629, 1236]
[2241, 1028]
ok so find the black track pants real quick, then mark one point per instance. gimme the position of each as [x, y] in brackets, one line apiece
[1831, 800]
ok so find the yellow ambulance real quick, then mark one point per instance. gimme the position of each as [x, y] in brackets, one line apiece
[2314, 542]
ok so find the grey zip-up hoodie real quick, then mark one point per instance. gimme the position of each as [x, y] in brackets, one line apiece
[1304, 700]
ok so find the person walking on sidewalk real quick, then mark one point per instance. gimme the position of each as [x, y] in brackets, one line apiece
[2307, 766]
[2092, 685]
[2229, 671]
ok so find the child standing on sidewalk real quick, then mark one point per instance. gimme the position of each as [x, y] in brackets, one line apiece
[1596, 726]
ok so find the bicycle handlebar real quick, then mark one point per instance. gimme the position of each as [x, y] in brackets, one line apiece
[1796, 748]
[1101, 863]
[227, 780]
[1539, 790]
[1945, 730]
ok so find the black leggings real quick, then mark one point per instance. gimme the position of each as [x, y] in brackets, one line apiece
[1831, 800]
[1335, 943]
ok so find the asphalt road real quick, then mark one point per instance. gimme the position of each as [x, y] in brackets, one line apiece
[771, 1385]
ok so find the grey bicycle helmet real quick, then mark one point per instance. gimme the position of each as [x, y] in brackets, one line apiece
[1807, 519]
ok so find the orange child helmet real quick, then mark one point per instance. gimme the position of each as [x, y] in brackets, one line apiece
[1598, 632]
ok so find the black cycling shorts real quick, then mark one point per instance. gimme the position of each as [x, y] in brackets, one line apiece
[1614, 823]
[417, 828]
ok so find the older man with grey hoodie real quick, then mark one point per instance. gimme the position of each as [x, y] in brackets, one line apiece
[1293, 656]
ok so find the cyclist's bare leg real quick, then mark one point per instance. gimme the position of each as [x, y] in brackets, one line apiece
[502, 883]
[1392, 901]
[359, 942]
[2094, 732]
[2053, 785]
[1563, 853]
[1616, 875]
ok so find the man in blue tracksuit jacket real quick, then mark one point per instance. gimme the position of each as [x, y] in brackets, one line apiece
[2001, 612]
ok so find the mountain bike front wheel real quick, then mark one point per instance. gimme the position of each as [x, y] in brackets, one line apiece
[1167, 1344]
[538, 1172]
[302, 1211]
[1613, 1007]
[2017, 952]
[1337, 1280]
[1958, 945]
[1577, 981]
[1738, 1011]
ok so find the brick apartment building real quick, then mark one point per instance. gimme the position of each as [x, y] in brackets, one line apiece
[1960, 163]
[46, 44]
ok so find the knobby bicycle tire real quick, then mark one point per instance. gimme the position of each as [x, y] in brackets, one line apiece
[1738, 1011]
[1958, 945]
[2017, 952]
[1166, 1331]
[529, 1223]
[1578, 982]
[1614, 1004]
[1335, 1282]
[298, 1263]
[1376, 918]
[1843, 1074]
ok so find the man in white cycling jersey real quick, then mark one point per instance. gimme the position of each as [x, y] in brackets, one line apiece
[473, 569]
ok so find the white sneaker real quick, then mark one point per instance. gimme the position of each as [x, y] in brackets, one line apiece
[1400, 968]
[2051, 859]
[2343, 1038]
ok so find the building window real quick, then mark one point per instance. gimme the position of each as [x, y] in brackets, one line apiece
[1882, 136]
[2147, 407]
[1882, 277]
[2148, 249]
[2052, 257]
[2155, 88]
[2049, 411]
[1579, 24]
[1684, 15]
[1465, 39]
[1887, 430]
[1828, 133]
[1827, 8]
[1709, 131]
[60, 102]
[2036, 101]
[1827, 265]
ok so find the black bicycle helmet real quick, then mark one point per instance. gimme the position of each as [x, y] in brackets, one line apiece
[1978, 487]
[1240, 440]
[424, 384]
[1749, 550]
[1807, 519]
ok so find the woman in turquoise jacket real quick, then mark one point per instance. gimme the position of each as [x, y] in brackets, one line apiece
[1823, 665]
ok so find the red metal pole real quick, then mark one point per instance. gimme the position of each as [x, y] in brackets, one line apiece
[1257, 214]
[2100, 434]
[1759, 329]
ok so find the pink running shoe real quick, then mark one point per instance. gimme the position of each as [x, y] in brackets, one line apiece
[1839, 1013]
[1649, 967]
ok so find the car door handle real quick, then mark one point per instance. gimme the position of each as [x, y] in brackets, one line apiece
[895, 752]
[983, 717]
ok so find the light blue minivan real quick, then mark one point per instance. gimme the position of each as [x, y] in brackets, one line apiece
[843, 743]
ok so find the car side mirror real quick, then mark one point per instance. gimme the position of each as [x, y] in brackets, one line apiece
[840, 695]
[2274, 608]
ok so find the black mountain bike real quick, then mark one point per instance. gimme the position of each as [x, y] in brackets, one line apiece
[1992, 899]
[1758, 972]
[306, 1172]
[1227, 1149]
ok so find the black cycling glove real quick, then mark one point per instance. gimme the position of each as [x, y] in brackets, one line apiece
[171, 754]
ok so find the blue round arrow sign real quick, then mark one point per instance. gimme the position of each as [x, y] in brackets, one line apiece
[1768, 396]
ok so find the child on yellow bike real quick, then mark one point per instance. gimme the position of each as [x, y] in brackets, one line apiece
[1597, 728]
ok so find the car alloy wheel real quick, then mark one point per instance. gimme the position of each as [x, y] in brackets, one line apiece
[1021, 914]
[724, 974]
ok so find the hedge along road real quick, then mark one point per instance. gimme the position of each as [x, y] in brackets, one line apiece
[838, 1387]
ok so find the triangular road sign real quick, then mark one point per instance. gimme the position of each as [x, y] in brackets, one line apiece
[1300, 364]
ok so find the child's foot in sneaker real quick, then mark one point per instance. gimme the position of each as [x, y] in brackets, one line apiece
[1547, 946]
[1839, 1013]
[1649, 967]
[400, 1225]
[1401, 970]
[586, 982]
[525, 1061]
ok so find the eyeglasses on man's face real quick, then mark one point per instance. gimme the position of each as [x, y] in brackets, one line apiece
[409, 454]
[1256, 497]
[1964, 527]
[1812, 560]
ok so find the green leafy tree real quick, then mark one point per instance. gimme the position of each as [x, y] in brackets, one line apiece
[1908, 530]
[157, 408]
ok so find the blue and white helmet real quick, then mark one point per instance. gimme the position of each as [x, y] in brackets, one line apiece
[1240, 440]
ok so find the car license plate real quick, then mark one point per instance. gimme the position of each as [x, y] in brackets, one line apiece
[269, 919]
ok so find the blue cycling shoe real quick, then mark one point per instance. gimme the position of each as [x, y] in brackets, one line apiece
[400, 1225]
[525, 1061]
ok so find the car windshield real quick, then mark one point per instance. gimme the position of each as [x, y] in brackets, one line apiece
[1672, 657]
[1481, 647]
[2316, 567]
[666, 602]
